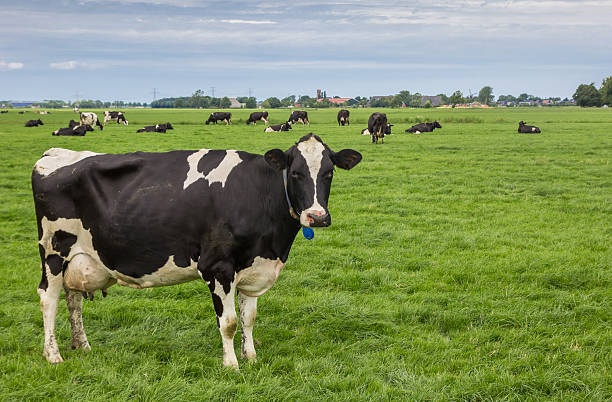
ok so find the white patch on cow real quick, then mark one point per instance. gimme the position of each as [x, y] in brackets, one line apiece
[417, 132]
[218, 174]
[255, 280]
[168, 274]
[89, 118]
[228, 323]
[312, 152]
[56, 158]
[365, 131]
[269, 130]
[532, 129]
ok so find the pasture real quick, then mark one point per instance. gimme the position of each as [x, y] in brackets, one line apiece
[472, 263]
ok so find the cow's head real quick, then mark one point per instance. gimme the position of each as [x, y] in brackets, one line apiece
[122, 119]
[436, 124]
[39, 121]
[169, 126]
[210, 118]
[310, 169]
[521, 123]
[388, 129]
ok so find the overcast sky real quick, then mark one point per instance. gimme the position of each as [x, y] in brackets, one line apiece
[121, 50]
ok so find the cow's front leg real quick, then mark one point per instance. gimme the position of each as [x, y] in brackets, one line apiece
[220, 281]
[248, 310]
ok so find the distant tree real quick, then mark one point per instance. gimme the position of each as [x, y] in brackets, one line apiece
[427, 104]
[180, 103]
[288, 101]
[444, 99]
[415, 100]
[272, 102]
[250, 103]
[225, 102]
[606, 91]
[405, 95]
[396, 101]
[587, 95]
[197, 99]
[485, 96]
[456, 98]
[523, 97]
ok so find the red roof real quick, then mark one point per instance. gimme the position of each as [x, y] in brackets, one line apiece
[337, 101]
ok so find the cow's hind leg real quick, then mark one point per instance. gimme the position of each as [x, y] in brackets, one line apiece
[49, 291]
[74, 300]
[248, 310]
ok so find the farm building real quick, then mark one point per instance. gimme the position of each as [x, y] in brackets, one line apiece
[433, 100]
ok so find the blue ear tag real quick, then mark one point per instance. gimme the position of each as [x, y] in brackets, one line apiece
[308, 233]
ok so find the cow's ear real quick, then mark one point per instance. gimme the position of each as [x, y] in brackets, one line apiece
[276, 158]
[346, 159]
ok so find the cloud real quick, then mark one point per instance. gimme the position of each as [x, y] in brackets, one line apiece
[256, 22]
[10, 65]
[69, 65]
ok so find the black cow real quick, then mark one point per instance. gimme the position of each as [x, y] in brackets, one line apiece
[343, 117]
[158, 128]
[299, 116]
[34, 123]
[257, 116]
[220, 116]
[378, 126]
[3, 111]
[156, 219]
[115, 116]
[22, 112]
[523, 128]
[278, 127]
[365, 131]
[423, 128]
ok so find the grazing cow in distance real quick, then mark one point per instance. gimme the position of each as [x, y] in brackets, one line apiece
[220, 116]
[279, 127]
[115, 116]
[377, 126]
[299, 116]
[343, 117]
[95, 227]
[523, 128]
[423, 128]
[22, 112]
[91, 119]
[3, 111]
[257, 116]
[34, 123]
[75, 109]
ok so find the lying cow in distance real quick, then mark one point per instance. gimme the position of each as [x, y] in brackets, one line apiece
[365, 131]
[423, 128]
[95, 228]
[158, 128]
[91, 119]
[34, 123]
[114, 116]
[257, 116]
[220, 116]
[523, 128]
[73, 131]
[279, 127]
[343, 117]
[3, 111]
[299, 116]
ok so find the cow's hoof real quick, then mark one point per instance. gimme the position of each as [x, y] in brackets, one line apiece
[53, 358]
[81, 345]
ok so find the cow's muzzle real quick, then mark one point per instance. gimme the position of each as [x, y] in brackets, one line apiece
[317, 219]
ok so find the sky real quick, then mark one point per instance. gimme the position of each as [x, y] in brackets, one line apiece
[122, 50]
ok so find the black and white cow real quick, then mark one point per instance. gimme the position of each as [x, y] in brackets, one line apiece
[278, 127]
[257, 116]
[378, 127]
[156, 219]
[299, 116]
[220, 116]
[34, 123]
[91, 119]
[424, 128]
[3, 111]
[114, 116]
[158, 128]
[523, 128]
[343, 117]
[365, 131]
[73, 131]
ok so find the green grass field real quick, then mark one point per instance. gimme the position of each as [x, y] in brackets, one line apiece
[472, 263]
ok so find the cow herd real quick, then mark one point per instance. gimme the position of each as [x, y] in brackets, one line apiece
[378, 125]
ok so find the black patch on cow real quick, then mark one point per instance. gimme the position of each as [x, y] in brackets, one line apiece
[55, 263]
[43, 281]
[62, 242]
[210, 161]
